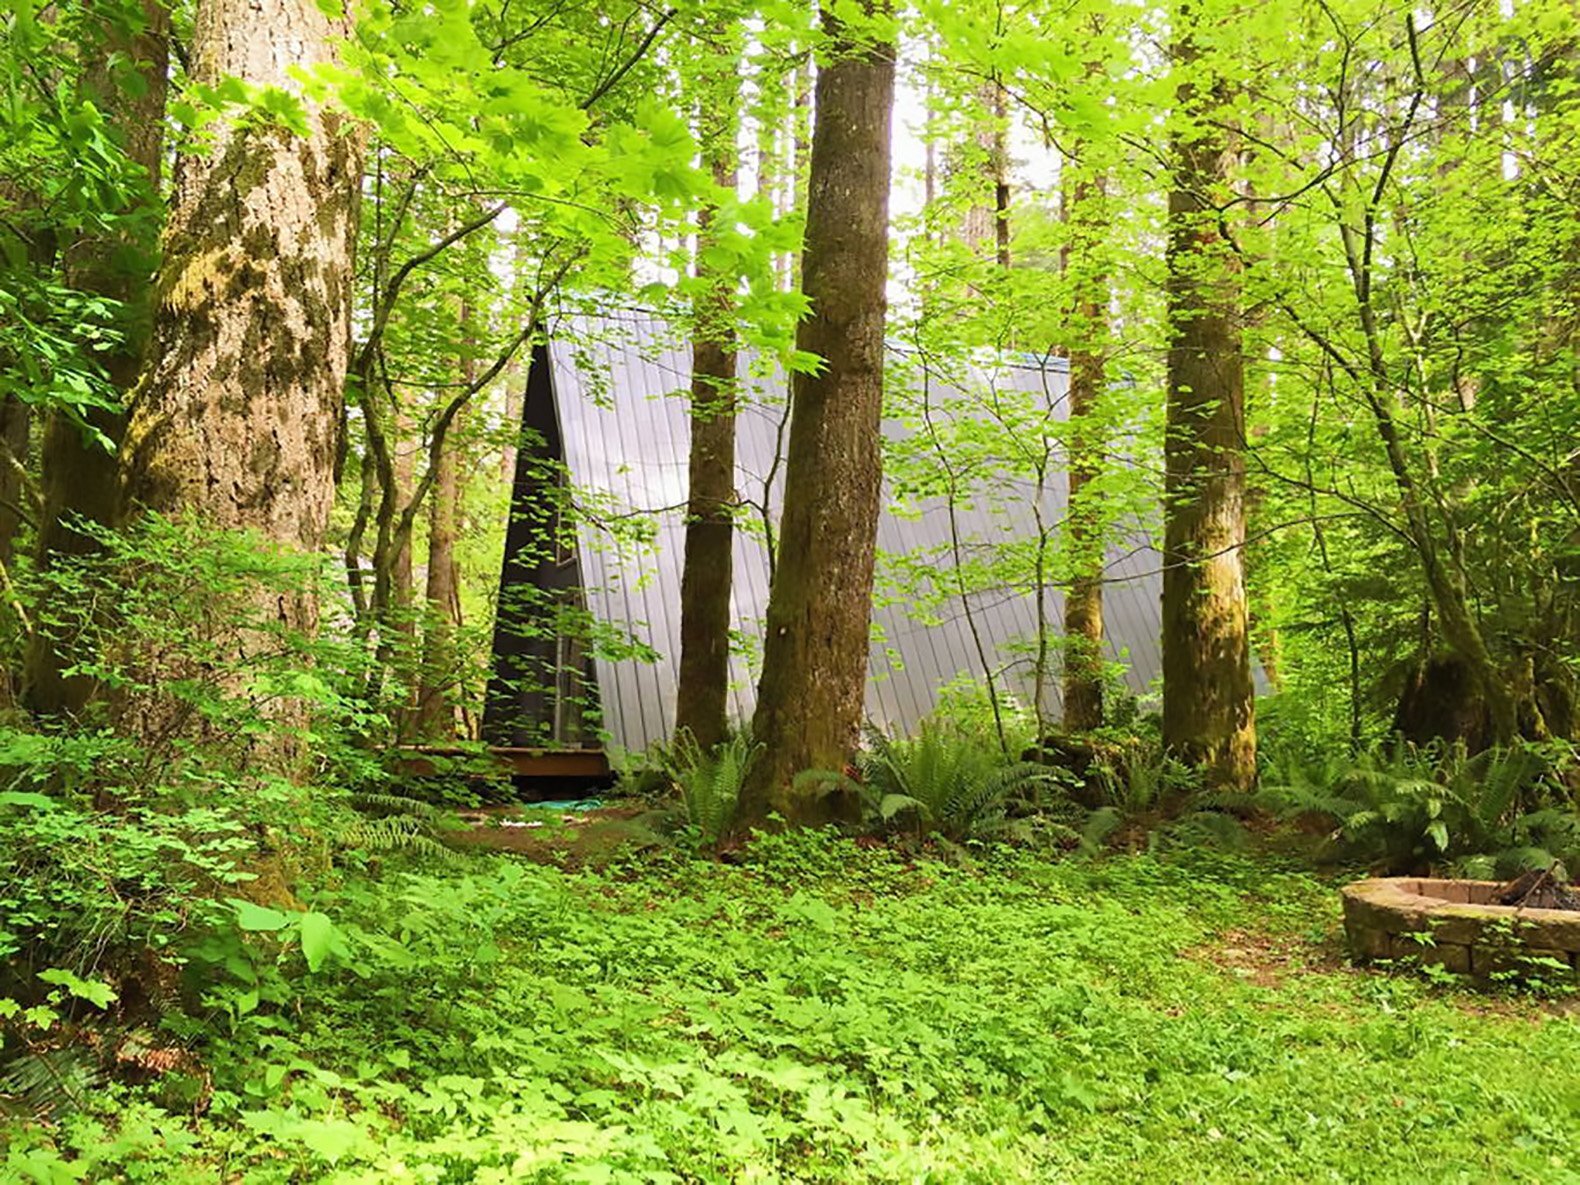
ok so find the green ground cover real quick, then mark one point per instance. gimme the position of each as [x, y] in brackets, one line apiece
[825, 1011]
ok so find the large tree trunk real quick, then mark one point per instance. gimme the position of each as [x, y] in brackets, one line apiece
[1208, 705]
[236, 417]
[705, 582]
[809, 702]
[1083, 603]
[78, 475]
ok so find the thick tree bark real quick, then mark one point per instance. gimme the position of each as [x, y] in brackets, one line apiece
[1083, 602]
[705, 583]
[78, 477]
[809, 702]
[1208, 703]
[237, 414]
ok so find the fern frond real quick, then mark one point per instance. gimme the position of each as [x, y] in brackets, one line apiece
[395, 804]
[399, 833]
[894, 804]
[50, 1083]
[971, 801]
[1099, 825]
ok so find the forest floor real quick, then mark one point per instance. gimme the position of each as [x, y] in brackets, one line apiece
[824, 1011]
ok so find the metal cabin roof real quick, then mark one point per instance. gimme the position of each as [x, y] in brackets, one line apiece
[620, 386]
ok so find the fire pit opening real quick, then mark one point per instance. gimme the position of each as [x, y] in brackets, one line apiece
[1463, 927]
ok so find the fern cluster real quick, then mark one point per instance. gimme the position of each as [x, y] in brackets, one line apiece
[954, 784]
[709, 781]
[1142, 784]
[1403, 808]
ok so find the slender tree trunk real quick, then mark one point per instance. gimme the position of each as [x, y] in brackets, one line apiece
[986, 223]
[1083, 601]
[515, 386]
[705, 582]
[436, 712]
[236, 417]
[14, 433]
[435, 707]
[980, 169]
[1208, 704]
[403, 587]
[1000, 161]
[1440, 560]
[13, 488]
[1261, 601]
[800, 161]
[809, 702]
[356, 574]
[1445, 579]
[383, 430]
[78, 476]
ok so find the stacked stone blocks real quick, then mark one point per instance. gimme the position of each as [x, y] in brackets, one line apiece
[1454, 925]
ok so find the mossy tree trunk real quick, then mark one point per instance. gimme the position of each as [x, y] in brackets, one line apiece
[809, 701]
[236, 416]
[706, 575]
[127, 78]
[1208, 704]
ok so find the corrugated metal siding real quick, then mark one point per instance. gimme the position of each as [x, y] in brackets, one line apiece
[620, 384]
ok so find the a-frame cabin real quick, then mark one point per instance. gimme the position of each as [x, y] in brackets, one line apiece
[586, 646]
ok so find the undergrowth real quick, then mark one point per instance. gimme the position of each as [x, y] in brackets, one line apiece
[823, 1011]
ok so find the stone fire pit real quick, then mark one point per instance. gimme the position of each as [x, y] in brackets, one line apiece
[1468, 934]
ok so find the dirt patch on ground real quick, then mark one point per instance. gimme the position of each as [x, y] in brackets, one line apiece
[576, 839]
[1267, 960]
[1271, 960]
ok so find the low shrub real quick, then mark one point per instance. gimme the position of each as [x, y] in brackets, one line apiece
[210, 763]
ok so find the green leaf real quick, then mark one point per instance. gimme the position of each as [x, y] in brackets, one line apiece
[26, 798]
[95, 992]
[320, 939]
[259, 918]
[893, 804]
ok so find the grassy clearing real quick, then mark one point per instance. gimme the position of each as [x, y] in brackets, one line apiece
[828, 1012]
